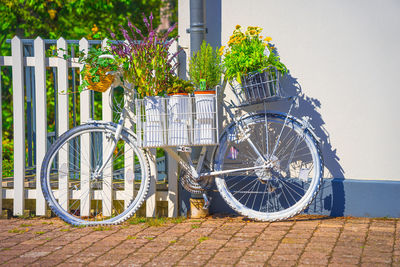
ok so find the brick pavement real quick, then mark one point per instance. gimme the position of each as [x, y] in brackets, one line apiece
[224, 241]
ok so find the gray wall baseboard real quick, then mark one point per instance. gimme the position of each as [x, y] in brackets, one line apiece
[337, 197]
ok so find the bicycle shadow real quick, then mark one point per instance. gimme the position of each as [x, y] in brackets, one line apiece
[331, 198]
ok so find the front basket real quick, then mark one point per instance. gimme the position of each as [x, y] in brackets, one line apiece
[258, 87]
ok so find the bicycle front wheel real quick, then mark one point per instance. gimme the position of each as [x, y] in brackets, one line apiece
[75, 187]
[293, 172]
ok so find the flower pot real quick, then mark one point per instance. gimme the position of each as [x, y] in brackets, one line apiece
[104, 83]
[154, 125]
[204, 128]
[179, 111]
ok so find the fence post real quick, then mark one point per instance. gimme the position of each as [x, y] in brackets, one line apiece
[19, 125]
[62, 115]
[172, 165]
[1, 152]
[41, 119]
[172, 174]
[129, 157]
[108, 171]
[85, 142]
[151, 195]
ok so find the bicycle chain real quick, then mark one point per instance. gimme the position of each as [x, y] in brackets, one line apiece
[195, 186]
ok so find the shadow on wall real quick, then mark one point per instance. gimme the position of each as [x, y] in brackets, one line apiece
[331, 199]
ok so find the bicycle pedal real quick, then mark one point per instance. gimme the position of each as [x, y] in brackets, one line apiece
[185, 149]
[207, 202]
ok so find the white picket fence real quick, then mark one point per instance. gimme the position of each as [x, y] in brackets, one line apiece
[39, 61]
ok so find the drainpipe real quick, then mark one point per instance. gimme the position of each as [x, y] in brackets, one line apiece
[197, 31]
[197, 28]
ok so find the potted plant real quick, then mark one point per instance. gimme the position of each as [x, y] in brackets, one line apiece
[205, 70]
[252, 61]
[148, 65]
[97, 65]
[179, 112]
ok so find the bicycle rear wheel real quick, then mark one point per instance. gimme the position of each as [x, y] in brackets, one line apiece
[284, 188]
[81, 195]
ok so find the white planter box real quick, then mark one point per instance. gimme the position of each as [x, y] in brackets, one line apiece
[154, 125]
[179, 112]
[204, 125]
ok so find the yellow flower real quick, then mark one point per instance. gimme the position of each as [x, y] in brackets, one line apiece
[237, 27]
[52, 13]
[268, 39]
[95, 29]
[252, 32]
[260, 37]
[221, 50]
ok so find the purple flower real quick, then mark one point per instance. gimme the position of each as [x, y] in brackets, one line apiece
[111, 33]
[145, 21]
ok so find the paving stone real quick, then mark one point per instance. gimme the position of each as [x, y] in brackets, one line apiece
[303, 241]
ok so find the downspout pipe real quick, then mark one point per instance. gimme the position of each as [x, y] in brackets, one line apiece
[197, 33]
[197, 28]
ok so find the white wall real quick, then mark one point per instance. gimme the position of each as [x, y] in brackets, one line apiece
[345, 54]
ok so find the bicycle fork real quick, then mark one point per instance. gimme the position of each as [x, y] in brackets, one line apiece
[113, 146]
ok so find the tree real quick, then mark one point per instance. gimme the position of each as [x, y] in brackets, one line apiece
[70, 19]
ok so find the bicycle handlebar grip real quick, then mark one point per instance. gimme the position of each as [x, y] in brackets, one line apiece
[107, 56]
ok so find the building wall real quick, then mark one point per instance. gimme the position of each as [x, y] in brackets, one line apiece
[344, 55]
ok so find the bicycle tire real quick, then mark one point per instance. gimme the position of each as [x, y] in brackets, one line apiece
[278, 192]
[108, 198]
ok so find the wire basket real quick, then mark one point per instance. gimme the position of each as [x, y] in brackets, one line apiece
[177, 120]
[258, 87]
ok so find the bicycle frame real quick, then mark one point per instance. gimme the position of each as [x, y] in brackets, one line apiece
[187, 163]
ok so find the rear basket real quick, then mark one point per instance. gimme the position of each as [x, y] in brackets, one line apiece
[177, 120]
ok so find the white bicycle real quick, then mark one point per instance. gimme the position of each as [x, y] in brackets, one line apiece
[266, 165]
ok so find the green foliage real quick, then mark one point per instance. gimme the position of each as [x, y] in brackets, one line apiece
[178, 85]
[155, 221]
[70, 19]
[8, 157]
[102, 228]
[203, 238]
[205, 65]
[248, 52]
[18, 231]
